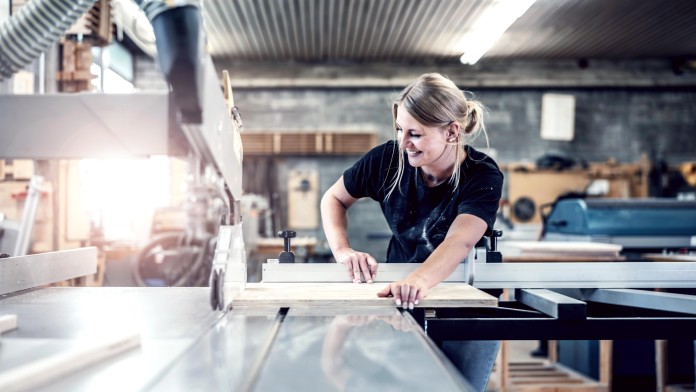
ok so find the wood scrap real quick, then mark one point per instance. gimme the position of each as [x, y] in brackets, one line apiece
[36, 373]
[8, 322]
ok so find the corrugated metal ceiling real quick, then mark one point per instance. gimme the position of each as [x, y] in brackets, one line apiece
[336, 31]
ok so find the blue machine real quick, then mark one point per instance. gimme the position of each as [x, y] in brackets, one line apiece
[634, 223]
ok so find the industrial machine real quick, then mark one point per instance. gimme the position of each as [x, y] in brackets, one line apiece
[639, 225]
[169, 338]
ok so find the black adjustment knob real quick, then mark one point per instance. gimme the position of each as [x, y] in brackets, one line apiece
[286, 256]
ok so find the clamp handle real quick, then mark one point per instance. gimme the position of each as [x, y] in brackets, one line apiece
[494, 239]
[286, 256]
[492, 255]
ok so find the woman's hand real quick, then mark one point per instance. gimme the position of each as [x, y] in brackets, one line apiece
[407, 292]
[357, 262]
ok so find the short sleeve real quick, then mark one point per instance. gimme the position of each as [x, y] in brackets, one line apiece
[482, 196]
[367, 177]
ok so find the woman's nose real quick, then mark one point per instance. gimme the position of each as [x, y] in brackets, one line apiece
[403, 141]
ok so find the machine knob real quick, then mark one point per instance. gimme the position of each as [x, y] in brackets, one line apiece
[286, 256]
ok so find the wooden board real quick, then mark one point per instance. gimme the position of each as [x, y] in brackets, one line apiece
[350, 294]
[564, 248]
[560, 259]
[8, 322]
[669, 257]
[54, 367]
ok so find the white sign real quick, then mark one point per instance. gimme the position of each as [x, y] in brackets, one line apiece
[558, 117]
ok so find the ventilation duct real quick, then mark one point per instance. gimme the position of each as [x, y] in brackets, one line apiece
[37, 26]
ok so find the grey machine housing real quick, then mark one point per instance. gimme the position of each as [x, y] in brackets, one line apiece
[636, 224]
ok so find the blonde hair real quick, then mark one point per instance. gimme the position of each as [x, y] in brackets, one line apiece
[435, 101]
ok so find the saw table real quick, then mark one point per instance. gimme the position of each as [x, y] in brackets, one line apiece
[321, 333]
[187, 346]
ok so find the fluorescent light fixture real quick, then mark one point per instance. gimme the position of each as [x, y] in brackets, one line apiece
[492, 23]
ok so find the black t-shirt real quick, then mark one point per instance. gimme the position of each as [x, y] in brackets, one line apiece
[420, 216]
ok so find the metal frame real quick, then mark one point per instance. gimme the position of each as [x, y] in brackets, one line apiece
[553, 304]
[544, 314]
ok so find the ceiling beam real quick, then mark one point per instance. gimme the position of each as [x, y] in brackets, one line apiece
[491, 74]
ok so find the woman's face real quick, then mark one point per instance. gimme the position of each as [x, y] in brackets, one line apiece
[424, 146]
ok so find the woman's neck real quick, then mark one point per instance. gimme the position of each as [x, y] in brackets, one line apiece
[433, 175]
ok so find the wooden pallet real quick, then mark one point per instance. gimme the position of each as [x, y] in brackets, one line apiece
[544, 376]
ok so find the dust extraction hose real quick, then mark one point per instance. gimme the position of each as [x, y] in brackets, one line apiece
[37, 26]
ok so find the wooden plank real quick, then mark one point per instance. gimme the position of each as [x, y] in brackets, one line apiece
[606, 348]
[562, 379]
[559, 388]
[45, 370]
[668, 257]
[8, 322]
[559, 259]
[661, 369]
[553, 351]
[537, 374]
[505, 362]
[350, 294]
[563, 248]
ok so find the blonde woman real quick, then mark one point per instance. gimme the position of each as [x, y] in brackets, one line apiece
[438, 194]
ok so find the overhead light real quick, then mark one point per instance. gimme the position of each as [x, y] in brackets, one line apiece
[492, 23]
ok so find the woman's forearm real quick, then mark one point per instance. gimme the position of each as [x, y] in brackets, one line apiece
[442, 262]
[335, 222]
[464, 233]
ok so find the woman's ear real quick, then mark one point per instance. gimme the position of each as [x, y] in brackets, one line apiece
[452, 132]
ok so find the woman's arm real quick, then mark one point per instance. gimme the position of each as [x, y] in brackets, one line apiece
[462, 236]
[334, 207]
